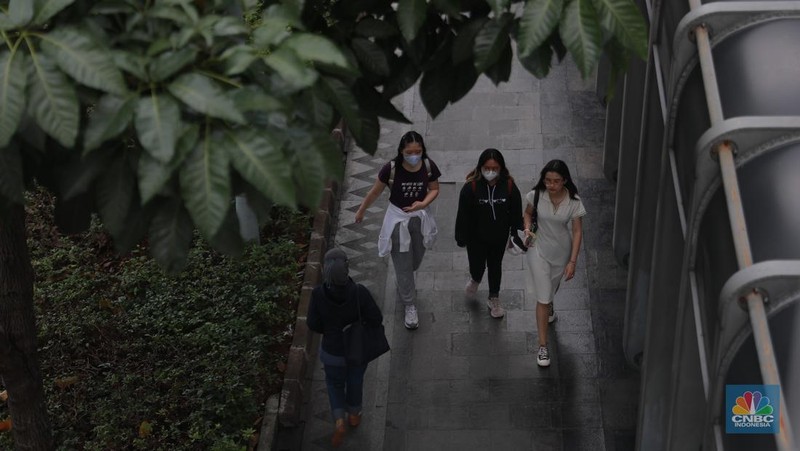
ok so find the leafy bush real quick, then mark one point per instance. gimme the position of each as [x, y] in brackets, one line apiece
[133, 358]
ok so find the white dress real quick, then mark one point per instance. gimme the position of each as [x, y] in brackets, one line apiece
[550, 254]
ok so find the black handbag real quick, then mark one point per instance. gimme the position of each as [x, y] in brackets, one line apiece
[363, 342]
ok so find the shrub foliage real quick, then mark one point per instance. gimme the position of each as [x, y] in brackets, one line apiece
[133, 358]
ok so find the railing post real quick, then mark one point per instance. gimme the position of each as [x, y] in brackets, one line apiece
[754, 300]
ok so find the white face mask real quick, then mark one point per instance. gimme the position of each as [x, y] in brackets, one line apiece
[489, 175]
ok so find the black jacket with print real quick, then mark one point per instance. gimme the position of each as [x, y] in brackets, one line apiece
[488, 213]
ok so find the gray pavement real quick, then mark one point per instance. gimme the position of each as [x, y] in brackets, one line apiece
[464, 380]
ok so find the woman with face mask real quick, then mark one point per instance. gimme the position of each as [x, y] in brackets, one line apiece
[557, 211]
[489, 210]
[408, 228]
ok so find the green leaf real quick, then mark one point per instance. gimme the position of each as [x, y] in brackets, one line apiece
[410, 17]
[237, 59]
[53, 102]
[315, 109]
[316, 48]
[138, 219]
[46, 9]
[229, 240]
[77, 54]
[464, 79]
[229, 26]
[170, 13]
[371, 56]
[370, 27]
[153, 174]
[112, 7]
[620, 57]
[206, 185]
[331, 155]
[12, 93]
[114, 193]
[158, 123]
[538, 61]
[401, 79]
[500, 71]
[259, 160]
[78, 174]
[253, 98]
[159, 45]
[130, 63]
[11, 183]
[204, 95]
[499, 6]
[170, 235]
[111, 116]
[307, 167]
[435, 89]
[170, 63]
[623, 18]
[5, 25]
[465, 39]
[271, 32]
[260, 204]
[450, 7]
[345, 103]
[580, 32]
[374, 101]
[371, 131]
[295, 73]
[491, 42]
[539, 19]
[20, 11]
[293, 8]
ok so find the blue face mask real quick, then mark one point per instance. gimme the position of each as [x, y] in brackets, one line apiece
[413, 160]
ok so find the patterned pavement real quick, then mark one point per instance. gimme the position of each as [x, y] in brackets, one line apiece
[464, 380]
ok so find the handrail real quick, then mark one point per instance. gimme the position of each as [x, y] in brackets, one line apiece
[754, 300]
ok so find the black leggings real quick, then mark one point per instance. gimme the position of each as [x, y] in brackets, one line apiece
[482, 255]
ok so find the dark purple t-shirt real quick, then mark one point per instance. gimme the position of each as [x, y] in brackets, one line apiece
[408, 187]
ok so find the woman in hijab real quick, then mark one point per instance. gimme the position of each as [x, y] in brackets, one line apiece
[334, 305]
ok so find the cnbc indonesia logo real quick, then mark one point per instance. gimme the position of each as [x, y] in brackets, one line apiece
[752, 409]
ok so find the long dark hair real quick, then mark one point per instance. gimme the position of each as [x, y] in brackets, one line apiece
[486, 155]
[561, 169]
[407, 138]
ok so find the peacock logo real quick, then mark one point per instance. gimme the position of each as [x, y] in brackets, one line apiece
[752, 403]
[753, 409]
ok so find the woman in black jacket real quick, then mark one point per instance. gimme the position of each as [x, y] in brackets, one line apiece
[489, 209]
[334, 305]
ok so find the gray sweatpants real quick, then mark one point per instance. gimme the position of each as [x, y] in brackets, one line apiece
[405, 263]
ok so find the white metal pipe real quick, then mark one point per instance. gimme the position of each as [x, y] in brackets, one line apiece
[744, 256]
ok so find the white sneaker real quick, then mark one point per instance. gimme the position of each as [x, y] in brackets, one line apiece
[412, 320]
[543, 357]
[551, 314]
[472, 288]
[495, 309]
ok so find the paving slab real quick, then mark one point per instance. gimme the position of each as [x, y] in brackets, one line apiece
[464, 380]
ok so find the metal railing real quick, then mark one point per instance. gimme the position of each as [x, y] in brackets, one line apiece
[725, 150]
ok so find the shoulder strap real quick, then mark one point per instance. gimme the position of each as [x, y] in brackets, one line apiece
[535, 214]
[391, 173]
[358, 302]
[428, 166]
[510, 183]
[474, 186]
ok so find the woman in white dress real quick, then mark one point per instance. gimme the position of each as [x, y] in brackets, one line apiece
[551, 206]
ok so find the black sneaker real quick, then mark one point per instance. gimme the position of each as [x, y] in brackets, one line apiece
[543, 358]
